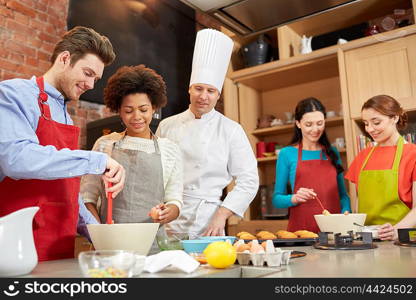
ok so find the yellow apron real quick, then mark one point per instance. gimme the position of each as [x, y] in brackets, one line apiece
[378, 192]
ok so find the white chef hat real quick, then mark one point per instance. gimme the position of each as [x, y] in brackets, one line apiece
[212, 54]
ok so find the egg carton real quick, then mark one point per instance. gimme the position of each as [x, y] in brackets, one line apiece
[271, 259]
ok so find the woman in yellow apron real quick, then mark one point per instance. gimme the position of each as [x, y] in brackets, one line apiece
[385, 174]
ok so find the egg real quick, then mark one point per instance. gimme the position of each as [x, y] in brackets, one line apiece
[256, 248]
[243, 247]
[238, 243]
[154, 213]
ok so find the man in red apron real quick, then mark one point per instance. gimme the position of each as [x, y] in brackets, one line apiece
[39, 163]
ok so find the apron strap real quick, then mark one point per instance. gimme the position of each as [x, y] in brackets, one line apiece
[42, 99]
[397, 155]
[156, 143]
[299, 152]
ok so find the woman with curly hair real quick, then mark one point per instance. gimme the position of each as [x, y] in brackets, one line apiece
[153, 165]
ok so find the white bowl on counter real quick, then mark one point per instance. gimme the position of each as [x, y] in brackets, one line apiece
[137, 237]
[340, 223]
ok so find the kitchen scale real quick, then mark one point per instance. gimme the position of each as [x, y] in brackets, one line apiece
[345, 242]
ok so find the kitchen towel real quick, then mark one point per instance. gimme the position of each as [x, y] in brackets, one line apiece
[171, 258]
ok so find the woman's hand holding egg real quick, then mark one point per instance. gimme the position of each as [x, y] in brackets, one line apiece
[155, 212]
[163, 213]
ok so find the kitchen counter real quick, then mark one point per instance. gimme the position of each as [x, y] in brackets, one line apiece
[69, 268]
[388, 260]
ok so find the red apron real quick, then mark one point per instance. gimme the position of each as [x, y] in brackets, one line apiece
[321, 176]
[55, 224]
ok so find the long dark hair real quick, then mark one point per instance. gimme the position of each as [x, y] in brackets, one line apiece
[310, 105]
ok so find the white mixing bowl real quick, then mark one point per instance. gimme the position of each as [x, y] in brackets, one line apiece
[340, 223]
[129, 236]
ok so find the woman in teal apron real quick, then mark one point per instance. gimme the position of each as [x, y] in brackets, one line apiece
[153, 165]
[385, 174]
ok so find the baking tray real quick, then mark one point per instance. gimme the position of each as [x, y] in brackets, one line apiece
[290, 242]
[295, 254]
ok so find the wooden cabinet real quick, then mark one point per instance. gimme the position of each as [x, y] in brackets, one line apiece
[342, 77]
[383, 68]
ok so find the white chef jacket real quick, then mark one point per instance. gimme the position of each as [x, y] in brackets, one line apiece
[215, 150]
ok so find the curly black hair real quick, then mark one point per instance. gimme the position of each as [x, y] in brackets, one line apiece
[131, 80]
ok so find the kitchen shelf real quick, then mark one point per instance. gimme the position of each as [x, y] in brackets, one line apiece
[321, 63]
[340, 76]
[335, 121]
[266, 159]
[317, 65]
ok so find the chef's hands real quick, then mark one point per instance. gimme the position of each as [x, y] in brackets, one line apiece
[387, 232]
[115, 174]
[164, 213]
[303, 195]
[217, 223]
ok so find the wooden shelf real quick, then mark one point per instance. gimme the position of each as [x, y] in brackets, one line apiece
[335, 121]
[349, 15]
[317, 65]
[266, 159]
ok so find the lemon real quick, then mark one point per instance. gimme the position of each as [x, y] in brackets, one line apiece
[220, 254]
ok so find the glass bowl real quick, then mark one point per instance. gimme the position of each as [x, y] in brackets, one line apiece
[168, 240]
[109, 263]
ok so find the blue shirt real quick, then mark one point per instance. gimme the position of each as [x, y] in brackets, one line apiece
[286, 172]
[21, 156]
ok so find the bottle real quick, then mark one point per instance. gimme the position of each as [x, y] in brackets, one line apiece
[373, 29]
[263, 201]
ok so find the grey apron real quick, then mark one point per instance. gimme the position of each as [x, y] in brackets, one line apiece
[145, 189]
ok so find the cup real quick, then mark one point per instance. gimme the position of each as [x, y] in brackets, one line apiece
[340, 143]
[261, 148]
[289, 117]
[330, 114]
[270, 146]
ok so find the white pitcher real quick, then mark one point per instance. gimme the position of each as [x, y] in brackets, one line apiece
[18, 254]
[306, 44]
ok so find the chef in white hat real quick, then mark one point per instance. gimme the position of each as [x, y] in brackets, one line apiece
[215, 148]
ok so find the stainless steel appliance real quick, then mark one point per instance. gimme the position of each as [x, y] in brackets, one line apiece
[249, 17]
[345, 242]
[268, 211]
